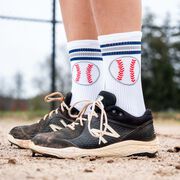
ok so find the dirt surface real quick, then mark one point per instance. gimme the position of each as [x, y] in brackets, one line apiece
[18, 164]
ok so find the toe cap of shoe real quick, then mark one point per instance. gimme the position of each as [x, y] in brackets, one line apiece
[51, 140]
[19, 133]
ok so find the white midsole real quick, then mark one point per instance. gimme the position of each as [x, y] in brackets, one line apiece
[124, 148]
[19, 142]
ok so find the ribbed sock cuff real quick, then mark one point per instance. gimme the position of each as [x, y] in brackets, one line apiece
[120, 37]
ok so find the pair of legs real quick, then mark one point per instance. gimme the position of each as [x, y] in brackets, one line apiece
[111, 28]
[86, 19]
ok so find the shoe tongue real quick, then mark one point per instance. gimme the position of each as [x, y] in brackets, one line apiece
[109, 99]
[68, 97]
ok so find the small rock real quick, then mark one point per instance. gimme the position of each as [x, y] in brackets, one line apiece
[133, 157]
[177, 148]
[170, 150]
[29, 177]
[38, 169]
[170, 164]
[110, 161]
[88, 170]
[177, 167]
[12, 161]
[92, 159]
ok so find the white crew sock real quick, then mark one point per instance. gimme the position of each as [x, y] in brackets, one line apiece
[86, 67]
[122, 69]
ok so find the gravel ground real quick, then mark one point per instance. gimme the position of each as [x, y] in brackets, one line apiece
[19, 164]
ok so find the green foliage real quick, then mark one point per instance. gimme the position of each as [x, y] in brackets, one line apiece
[37, 103]
[23, 115]
[160, 65]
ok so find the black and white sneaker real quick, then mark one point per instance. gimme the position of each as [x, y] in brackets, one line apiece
[106, 131]
[54, 121]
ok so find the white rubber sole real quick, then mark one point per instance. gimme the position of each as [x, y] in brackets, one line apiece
[125, 148]
[19, 142]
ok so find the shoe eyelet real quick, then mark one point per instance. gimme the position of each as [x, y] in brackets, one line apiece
[114, 111]
[120, 114]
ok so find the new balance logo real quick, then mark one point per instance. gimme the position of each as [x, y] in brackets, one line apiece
[56, 127]
[109, 132]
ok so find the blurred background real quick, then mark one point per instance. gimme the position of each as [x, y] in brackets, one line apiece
[34, 61]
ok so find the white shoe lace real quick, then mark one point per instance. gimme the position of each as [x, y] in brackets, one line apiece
[58, 97]
[104, 127]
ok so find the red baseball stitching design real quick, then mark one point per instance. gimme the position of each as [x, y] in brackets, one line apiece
[121, 70]
[88, 73]
[132, 67]
[78, 72]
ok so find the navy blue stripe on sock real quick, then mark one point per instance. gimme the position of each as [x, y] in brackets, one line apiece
[121, 53]
[121, 44]
[86, 58]
[84, 49]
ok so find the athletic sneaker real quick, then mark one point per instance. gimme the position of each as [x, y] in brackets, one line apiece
[54, 121]
[106, 131]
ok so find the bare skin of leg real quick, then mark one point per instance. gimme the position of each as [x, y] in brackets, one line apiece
[78, 20]
[116, 16]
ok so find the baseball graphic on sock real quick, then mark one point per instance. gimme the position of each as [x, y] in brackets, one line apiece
[125, 70]
[85, 73]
